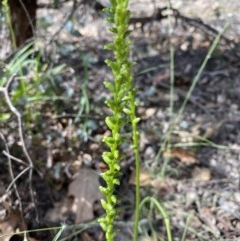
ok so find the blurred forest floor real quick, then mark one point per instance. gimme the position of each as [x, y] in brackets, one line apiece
[194, 171]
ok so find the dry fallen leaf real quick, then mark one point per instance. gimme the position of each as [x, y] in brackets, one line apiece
[164, 186]
[150, 112]
[82, 193]
[145, 177]
[146, 238]
[206, 130]
[208, 217]
[10, 225]
[86, 237]
[184, 156]
[201, 174]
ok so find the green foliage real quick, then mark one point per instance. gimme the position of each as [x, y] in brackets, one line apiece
[122, 105]
[34, 81]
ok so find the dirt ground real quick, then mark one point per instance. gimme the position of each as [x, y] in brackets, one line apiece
[194, 171]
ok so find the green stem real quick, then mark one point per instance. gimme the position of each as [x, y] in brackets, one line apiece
[137, 195]
[162, 212]
[135, 137]
[9, 23]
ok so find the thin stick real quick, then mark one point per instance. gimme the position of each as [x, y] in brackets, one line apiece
[11, 171]
[12, 108]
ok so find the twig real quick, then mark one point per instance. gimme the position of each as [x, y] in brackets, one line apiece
[19, 118]
[12, 108]
[197, 22]
[18, 176]
[51, 5]
[6, 153]
[74, 7]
